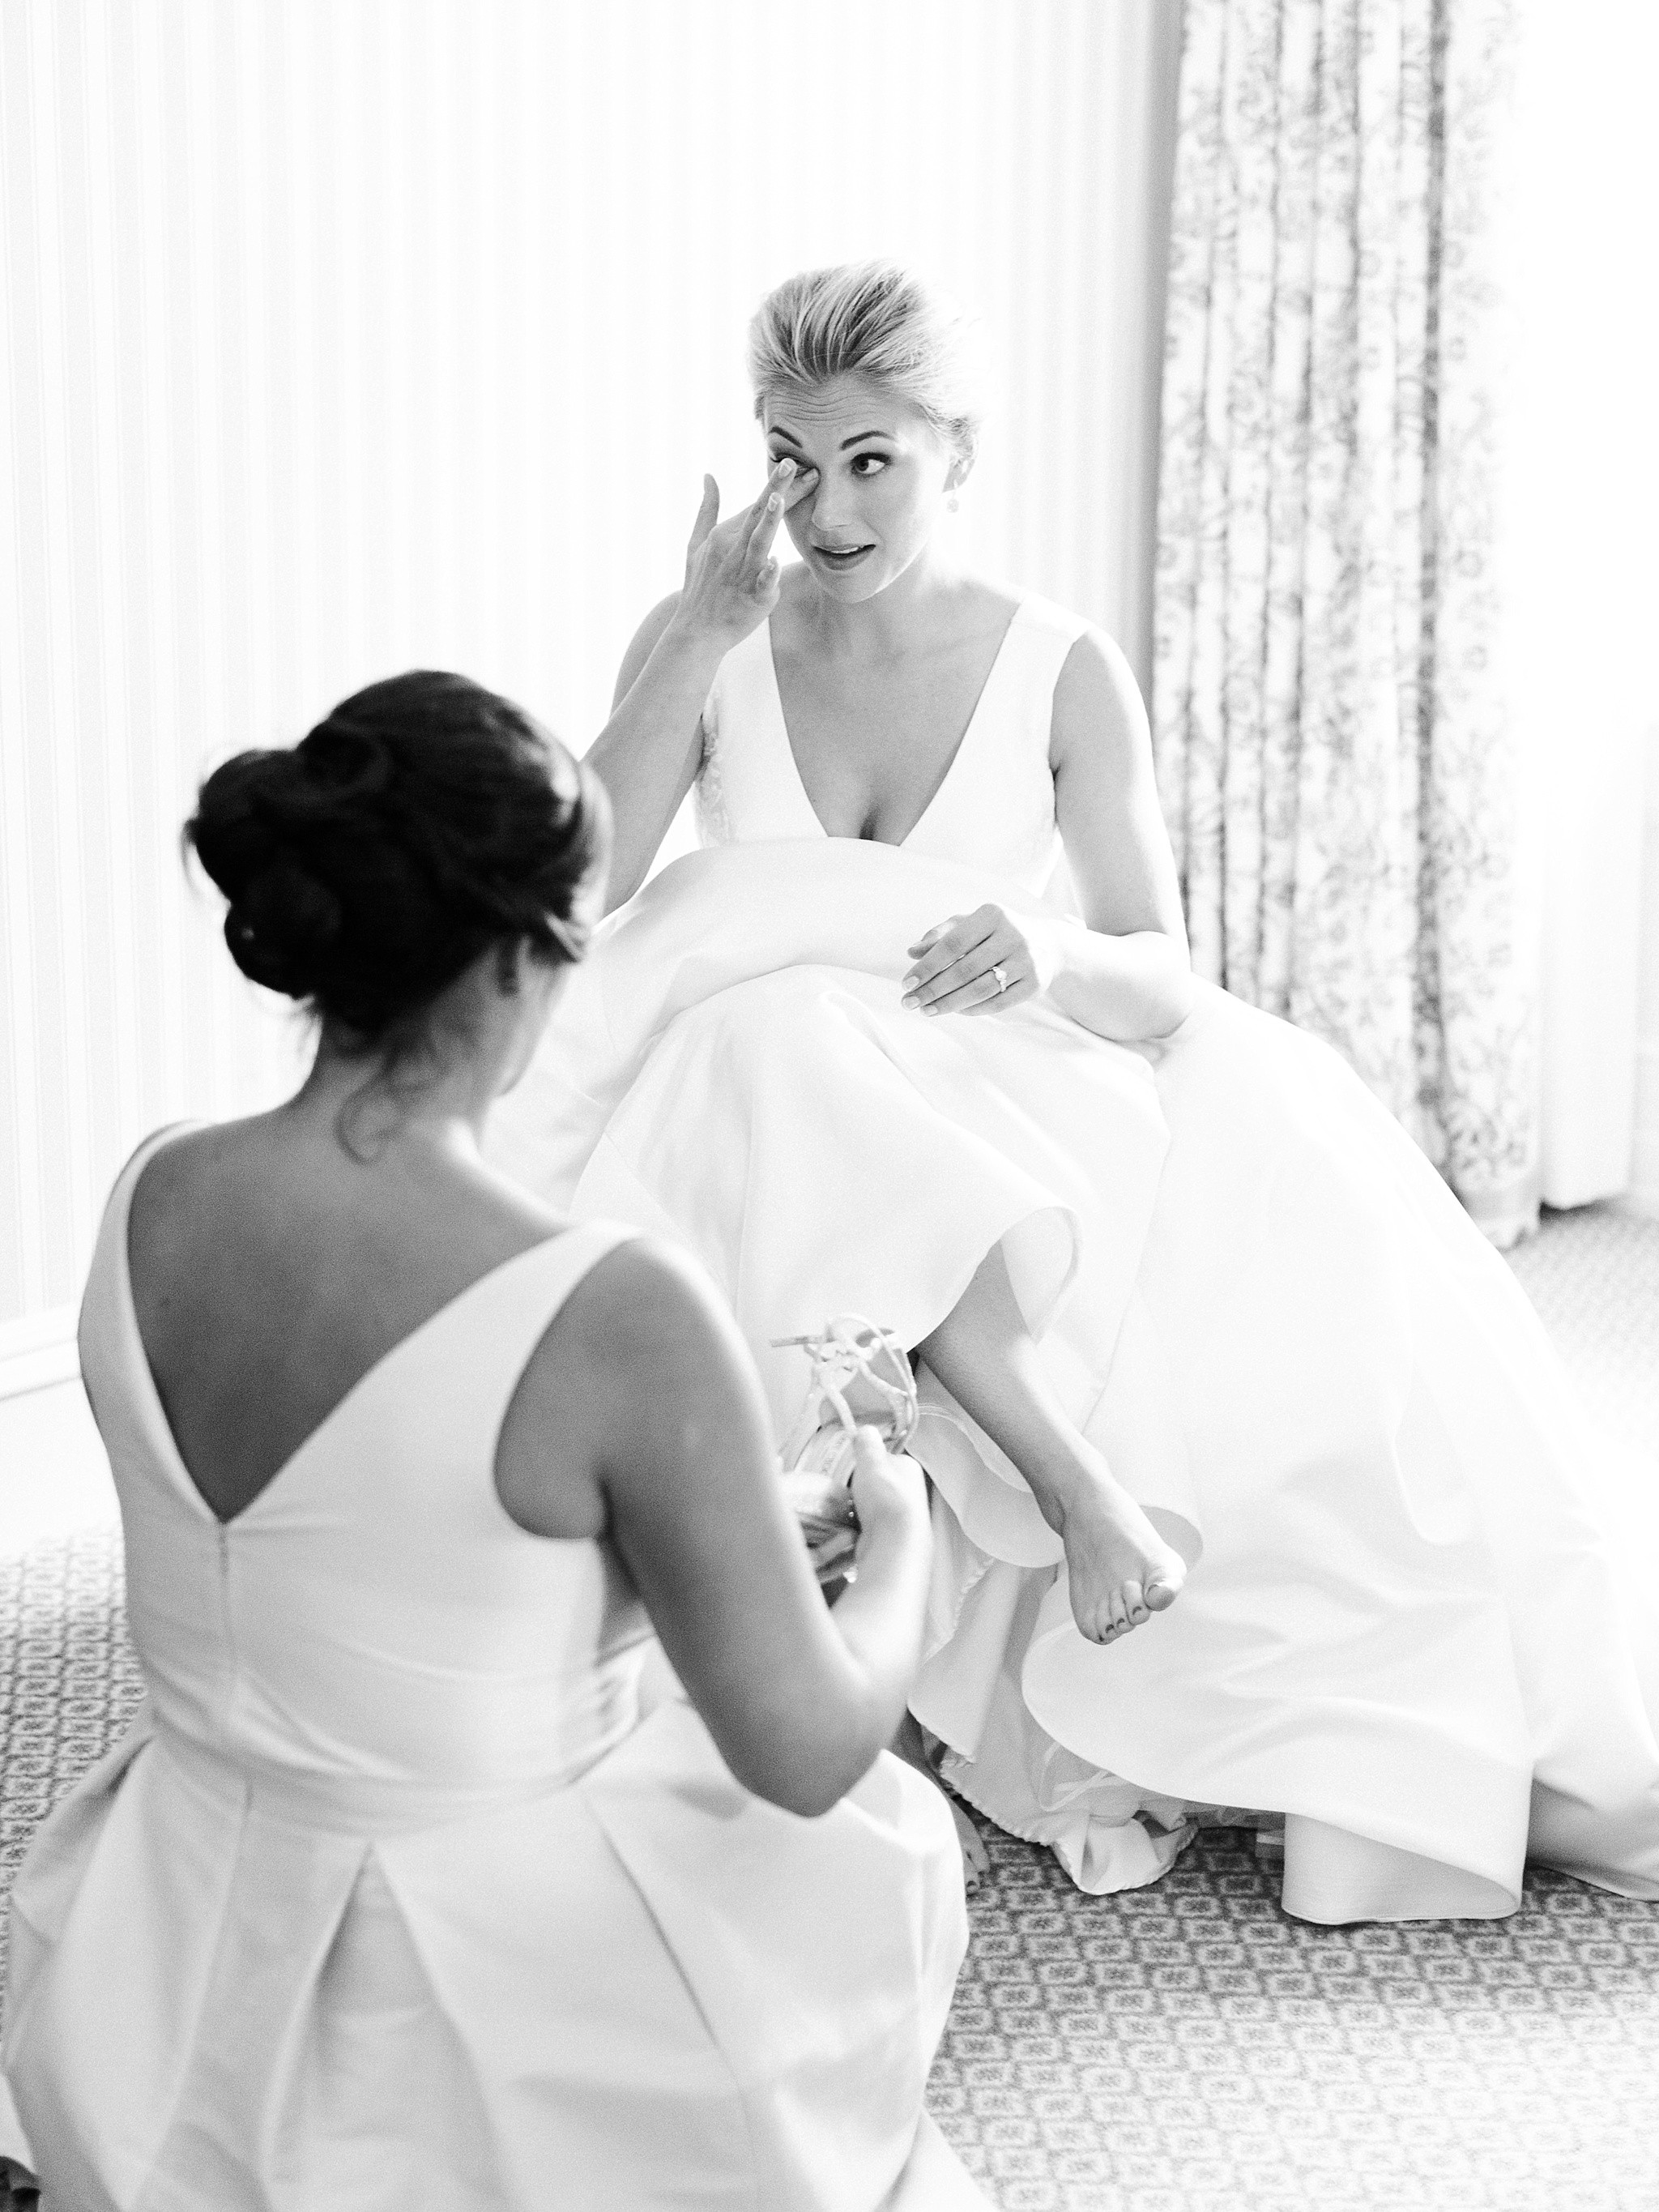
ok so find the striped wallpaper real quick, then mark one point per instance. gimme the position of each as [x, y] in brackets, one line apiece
[347, 335]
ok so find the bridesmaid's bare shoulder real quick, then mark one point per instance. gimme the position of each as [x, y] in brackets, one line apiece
[269, 1192]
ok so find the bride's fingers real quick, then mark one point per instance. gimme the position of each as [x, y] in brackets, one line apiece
[765, 529]
[928, 938]
[945, 973]
[949, 991]
[764, 517]
[989, 1000]
[939, 947]
[769, 499]
[968, 937]
[707, 514]
[980, 994]
[801, 479]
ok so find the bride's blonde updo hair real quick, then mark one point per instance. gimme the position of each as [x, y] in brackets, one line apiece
[869, 319]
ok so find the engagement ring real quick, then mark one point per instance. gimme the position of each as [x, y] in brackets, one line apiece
[1002, 980]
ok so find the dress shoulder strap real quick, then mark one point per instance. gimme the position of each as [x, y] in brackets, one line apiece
[438, 1406]
[103, 1328]
[1019, 695]
[492, 1329]
[1044, 634]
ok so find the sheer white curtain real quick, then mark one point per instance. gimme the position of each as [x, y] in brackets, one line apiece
[338, 338]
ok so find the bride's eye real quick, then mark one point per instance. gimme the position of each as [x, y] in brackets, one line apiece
[878, 461]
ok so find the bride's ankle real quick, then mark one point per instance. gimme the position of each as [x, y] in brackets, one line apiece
[1065, 1481]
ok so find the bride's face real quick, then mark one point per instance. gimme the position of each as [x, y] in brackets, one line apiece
[882, 476]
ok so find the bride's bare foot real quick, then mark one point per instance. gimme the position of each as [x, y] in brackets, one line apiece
[1120, 1568]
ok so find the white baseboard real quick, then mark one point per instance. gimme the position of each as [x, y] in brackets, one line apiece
[54, 1474]
[38, 1350]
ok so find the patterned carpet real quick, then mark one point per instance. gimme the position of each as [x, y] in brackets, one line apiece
[1185, 2048]
[1188, 2048]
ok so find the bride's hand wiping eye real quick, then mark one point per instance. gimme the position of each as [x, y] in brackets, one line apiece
[983, 963]
[732, 574]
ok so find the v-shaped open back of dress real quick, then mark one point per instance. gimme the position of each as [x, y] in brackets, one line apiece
[394, 1893]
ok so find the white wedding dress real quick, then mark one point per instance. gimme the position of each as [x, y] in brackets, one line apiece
[396, 1895]
[1420, 1623]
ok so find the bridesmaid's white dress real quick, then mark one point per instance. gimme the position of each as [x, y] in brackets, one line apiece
[1420, 1624]
[394, 1896]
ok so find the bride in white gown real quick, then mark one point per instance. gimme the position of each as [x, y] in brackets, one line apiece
[1257, 1487]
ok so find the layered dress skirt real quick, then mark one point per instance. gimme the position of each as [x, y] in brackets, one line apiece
[1419, 1628]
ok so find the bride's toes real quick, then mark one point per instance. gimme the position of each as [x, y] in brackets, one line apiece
[1162, 1593]
[1092, 1621]
[1104, 1622]
[1127, 1607]
[1120, 1568]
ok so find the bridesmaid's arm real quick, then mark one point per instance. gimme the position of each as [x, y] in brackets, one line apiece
[649, 1372]
[1129, 975]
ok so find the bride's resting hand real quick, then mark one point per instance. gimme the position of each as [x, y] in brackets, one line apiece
[731, 576]
[981, 963]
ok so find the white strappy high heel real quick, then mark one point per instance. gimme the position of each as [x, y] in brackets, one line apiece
[860, 1378]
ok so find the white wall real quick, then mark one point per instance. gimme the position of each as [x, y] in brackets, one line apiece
[1642, 1196]
[1580, 568]
[347, 335]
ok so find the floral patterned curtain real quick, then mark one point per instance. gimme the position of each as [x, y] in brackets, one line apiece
[1332, 756]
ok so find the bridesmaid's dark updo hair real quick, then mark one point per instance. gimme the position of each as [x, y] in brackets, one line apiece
[424, 821]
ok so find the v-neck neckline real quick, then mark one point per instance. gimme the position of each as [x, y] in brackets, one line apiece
[163, 1424]
[938, 792]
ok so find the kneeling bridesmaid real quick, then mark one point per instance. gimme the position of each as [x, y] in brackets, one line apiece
[400, 1890]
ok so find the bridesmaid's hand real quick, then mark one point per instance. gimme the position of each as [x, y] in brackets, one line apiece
[983, 963]
[886, 1486]
[730, 576]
